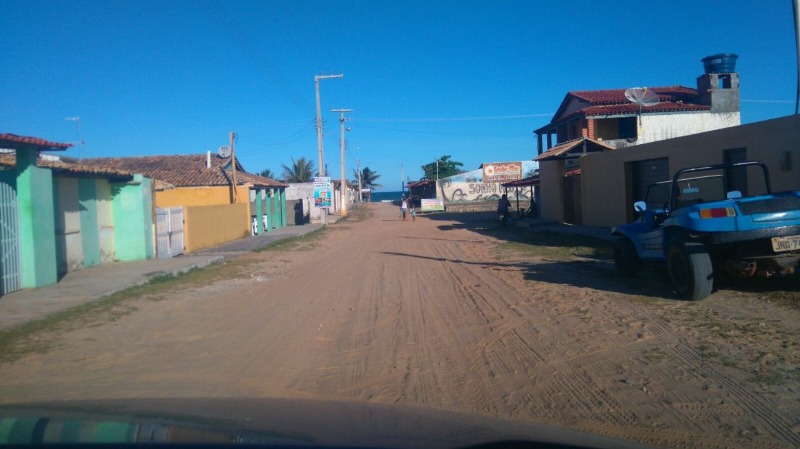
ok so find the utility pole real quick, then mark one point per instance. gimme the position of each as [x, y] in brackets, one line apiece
[360, 190]
[233, 165]
[321, 155]
[341, 145]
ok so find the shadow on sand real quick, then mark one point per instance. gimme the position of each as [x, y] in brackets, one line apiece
[594, 267]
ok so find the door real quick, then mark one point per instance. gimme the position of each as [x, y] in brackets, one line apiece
[736, 177]
[644, 174]
[573, 209]
[10, 272]
[169, 232]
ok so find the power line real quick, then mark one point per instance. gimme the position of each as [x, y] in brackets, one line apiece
[767, 101]
[217, 12]
[455, 119]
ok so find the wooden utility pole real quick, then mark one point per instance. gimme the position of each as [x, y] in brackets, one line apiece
[342, 187]
[233, 165]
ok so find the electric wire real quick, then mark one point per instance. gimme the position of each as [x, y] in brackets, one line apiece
[216, 11]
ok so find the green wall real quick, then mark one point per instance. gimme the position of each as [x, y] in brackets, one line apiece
[36, 222]
[133, 221]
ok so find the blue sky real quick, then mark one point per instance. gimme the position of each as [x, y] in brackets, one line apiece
[470, 79]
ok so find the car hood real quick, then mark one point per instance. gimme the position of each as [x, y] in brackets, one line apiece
[274, 423]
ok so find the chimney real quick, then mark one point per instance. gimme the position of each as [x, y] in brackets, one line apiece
[208, 159]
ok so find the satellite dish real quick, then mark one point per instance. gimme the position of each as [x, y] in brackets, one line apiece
[643, 97]
[224, 151]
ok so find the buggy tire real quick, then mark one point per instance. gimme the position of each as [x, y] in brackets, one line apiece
[626, 260]
[690, 269]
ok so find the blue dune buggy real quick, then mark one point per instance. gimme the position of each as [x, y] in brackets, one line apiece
[699, 228]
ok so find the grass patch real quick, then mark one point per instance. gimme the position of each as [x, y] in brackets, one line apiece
[41, 336]
[356, 214]
[553, 245]
[296, 243]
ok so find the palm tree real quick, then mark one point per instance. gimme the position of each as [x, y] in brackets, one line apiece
[368, 178]
[301, 170]
[267, 173]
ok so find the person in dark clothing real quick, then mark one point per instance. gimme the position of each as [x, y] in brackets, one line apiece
[502, 209]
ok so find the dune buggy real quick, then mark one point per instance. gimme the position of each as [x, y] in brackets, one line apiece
[699, 227]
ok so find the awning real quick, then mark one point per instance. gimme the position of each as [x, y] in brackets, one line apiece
[573, 148]
[524, 182]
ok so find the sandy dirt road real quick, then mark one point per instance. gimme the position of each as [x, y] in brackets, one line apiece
[437, 313]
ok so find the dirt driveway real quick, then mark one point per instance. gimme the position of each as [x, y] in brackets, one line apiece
[446, 312]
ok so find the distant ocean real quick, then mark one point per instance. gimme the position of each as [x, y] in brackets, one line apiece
[377, 197]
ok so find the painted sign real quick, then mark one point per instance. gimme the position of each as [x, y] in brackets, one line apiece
[323, 192]
[432, 204]
[501, 171]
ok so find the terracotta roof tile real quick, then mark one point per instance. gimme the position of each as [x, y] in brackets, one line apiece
[617, 96]
[630, 108]
[61, 166]
[14, 141]
[255, 180]
[673, 99]
[184, 170]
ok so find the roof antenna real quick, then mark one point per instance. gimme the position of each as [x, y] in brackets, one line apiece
[643, 97]
[77, 121]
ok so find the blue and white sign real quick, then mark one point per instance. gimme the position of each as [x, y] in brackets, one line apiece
[323, 191]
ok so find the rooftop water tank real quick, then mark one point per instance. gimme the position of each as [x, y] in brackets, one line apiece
[720, 63]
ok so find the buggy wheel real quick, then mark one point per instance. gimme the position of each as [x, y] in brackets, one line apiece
[690, 270]
[625, 258]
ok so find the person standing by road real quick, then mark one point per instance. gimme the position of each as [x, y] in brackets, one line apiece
[404, 208]
[502, 209]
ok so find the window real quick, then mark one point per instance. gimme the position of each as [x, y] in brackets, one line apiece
[616, 128]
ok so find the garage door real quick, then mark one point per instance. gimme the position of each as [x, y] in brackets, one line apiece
[646, 173]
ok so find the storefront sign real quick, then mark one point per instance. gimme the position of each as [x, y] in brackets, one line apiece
[432, 204]
[501, 171]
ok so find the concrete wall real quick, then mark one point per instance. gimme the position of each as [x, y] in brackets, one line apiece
[304, 191]
[656, 127]
[133, 219]
[105, 220]
[551, 183]
[606, 177]
[84, 222]
[206, 226]
[200, 196]
[36, 222]
[69, 245]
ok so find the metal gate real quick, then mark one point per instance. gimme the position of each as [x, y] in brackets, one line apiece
[169, 232]
[10, 273]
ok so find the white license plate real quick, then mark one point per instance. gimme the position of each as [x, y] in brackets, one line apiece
[780, 244]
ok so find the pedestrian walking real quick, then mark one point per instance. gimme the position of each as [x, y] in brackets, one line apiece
[404, 208]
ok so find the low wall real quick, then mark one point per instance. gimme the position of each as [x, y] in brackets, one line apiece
[206, 226]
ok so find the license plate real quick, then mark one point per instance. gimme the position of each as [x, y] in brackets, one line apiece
[789, 243]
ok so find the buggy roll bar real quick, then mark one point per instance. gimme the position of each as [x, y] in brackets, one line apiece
[673, 201]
